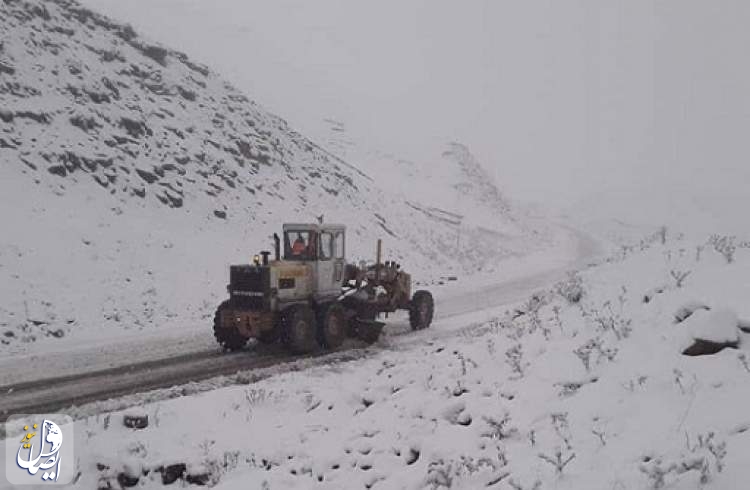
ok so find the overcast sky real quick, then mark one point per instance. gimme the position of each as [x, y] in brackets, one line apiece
[560, 99]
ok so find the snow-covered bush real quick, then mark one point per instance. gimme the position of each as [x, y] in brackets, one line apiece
[704, 455]
[571, 288]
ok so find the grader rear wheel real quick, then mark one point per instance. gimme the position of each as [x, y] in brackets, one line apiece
[228, 337]
[421, 310]
[332, 325]
[269, 336]
[298, 331]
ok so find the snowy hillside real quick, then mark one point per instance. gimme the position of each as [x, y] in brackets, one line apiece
[594, 383]
[130, 177]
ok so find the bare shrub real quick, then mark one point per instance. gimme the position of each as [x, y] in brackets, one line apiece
[633, 383]
[707, 445]
[662, 235]
[514, 358]
[530, 310]
[725, 245]
[678, 380]
[256, 396]
[743, 359]
[558, 460]
[679, 277]
[601, 435]
[656, 473]
[556, 319]
[594, 346]
[562, 428]
[441, 474]
[517, 486]
[569, 388]
[498, 428]
[700, 458]
[607, 320]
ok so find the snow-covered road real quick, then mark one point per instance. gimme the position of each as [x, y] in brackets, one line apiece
[77, 374]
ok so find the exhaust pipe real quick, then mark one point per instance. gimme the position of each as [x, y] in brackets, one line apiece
[277, 246]
[265, 255]
[377, 261]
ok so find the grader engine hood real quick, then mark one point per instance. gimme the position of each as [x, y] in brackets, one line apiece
[291, 280]
[250, 286]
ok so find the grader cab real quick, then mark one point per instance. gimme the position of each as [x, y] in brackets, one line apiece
[310, 297]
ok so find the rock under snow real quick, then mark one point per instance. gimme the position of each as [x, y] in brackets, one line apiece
[711, 331]
[686, 310]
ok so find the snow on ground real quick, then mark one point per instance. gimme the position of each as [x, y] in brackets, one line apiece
[581, 386]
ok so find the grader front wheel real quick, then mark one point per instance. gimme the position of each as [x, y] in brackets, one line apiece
[421, 310]
[228, 337]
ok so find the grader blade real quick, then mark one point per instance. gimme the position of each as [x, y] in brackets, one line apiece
[368, 330]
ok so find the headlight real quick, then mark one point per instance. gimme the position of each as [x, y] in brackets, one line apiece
[256, 259]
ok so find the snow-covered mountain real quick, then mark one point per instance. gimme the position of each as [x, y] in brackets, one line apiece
[131, 176]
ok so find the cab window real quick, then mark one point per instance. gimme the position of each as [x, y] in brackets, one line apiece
[326, 246]
[299, 245]
[338, 246]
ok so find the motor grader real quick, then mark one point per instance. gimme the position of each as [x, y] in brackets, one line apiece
[311, 298]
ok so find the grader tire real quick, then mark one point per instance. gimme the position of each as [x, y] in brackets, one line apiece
[269, 337]
[298, 330]
[421, 310]
[229, 338]
[332, 325]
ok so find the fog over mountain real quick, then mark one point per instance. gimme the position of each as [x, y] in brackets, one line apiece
[567, 102]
